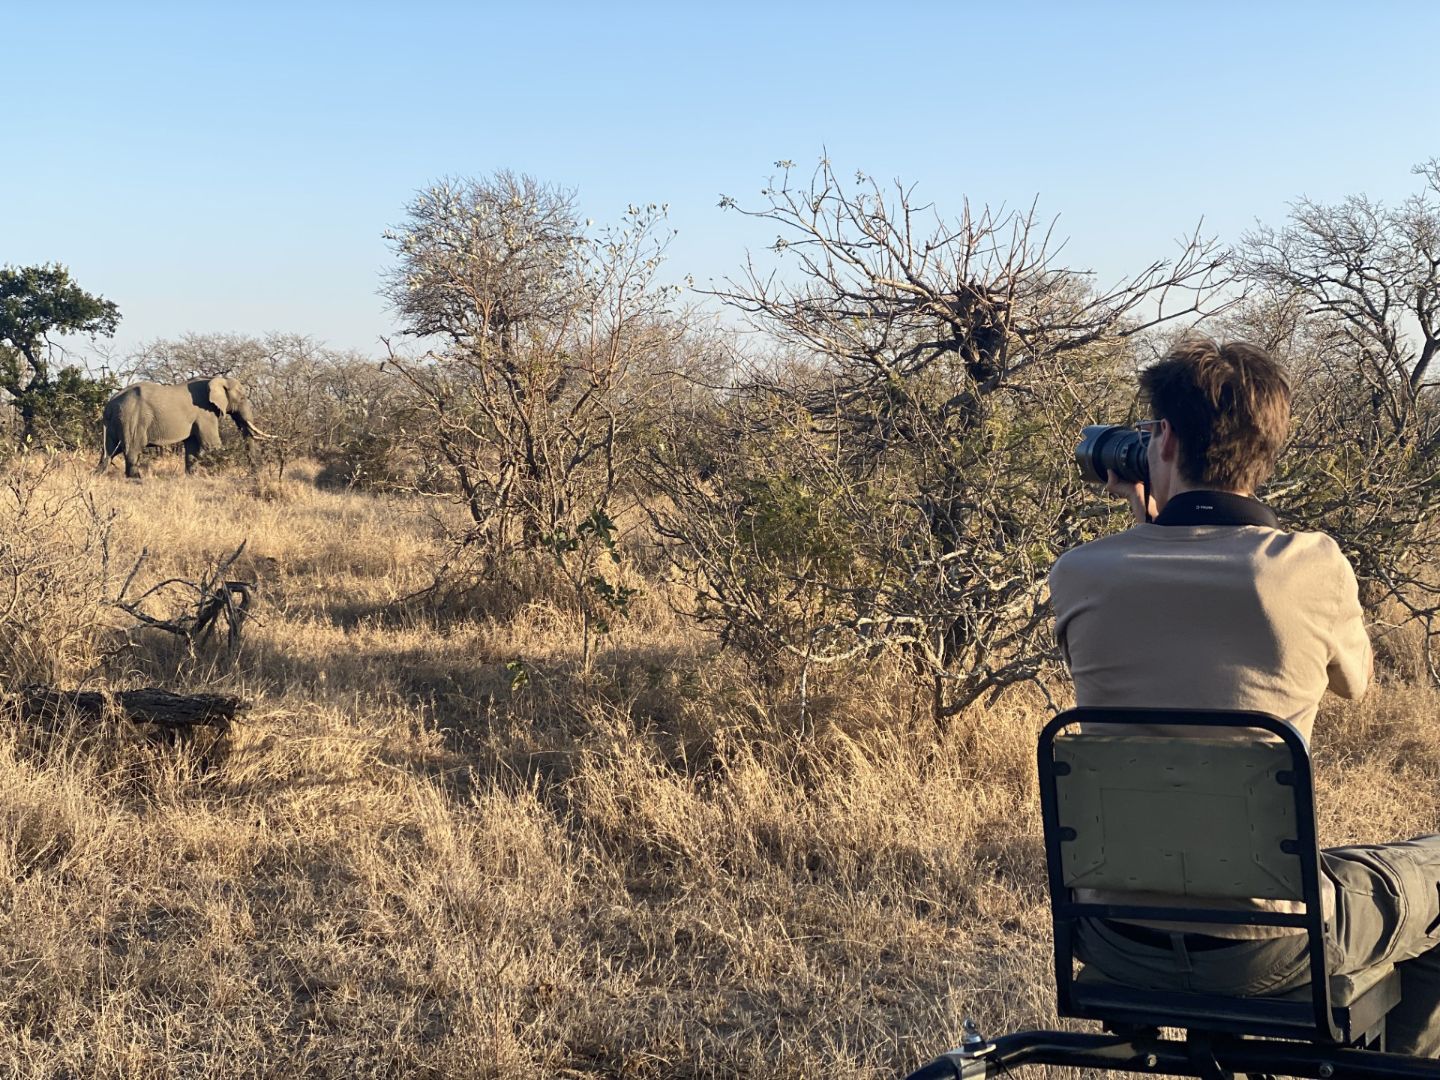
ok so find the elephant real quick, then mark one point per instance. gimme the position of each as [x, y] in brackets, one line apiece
[154, 414]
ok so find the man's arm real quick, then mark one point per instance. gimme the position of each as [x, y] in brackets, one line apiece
[1351, 659]
[1056, 584]
[1142, 506]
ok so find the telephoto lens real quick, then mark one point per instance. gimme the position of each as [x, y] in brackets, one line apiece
[1115, 448]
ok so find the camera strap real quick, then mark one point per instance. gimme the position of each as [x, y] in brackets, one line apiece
[1216, 508]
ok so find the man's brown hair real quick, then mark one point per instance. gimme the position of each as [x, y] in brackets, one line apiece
[1229, 406]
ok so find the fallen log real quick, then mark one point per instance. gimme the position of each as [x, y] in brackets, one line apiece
[149, 705]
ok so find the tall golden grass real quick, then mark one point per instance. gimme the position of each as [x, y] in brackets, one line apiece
[438, 847]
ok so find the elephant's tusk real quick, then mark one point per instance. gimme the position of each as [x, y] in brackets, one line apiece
[256, 433]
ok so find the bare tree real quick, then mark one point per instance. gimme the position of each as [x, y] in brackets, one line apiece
[481, 260]
[907, 482]
[1349, 296]
[321, 402]
[194, 356]
[544, 367]
[1371, 275]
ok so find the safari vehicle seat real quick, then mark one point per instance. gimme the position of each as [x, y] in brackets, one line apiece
[1225, 814]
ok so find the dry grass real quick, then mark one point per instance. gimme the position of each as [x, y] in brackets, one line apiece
[414, 862]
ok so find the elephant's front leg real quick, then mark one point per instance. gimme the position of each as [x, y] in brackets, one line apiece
[193, 450]
[204, 436]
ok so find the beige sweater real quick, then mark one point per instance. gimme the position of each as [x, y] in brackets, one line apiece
[1214, 617]
[1211, 617]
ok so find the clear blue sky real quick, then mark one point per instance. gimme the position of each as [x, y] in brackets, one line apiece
[231, 167]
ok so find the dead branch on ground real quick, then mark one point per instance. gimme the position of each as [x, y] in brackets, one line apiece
[202, 605]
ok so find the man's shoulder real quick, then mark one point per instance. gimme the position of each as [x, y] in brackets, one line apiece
[1249, 543]
[1101, 548]
[1316, 546]
[1091, 558]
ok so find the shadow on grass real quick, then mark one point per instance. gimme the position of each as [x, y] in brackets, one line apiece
[450, 707]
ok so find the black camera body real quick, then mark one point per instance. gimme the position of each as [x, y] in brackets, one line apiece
[1113, 448]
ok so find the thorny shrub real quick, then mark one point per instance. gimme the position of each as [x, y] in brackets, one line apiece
[895, 474]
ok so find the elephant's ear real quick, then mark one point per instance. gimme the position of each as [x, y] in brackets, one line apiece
[218, 397]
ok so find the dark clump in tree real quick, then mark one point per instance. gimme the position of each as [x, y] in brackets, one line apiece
[37, 303]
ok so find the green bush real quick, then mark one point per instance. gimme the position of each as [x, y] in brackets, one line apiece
[66, 410]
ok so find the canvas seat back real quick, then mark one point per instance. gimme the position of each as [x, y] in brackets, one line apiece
[1214, 826]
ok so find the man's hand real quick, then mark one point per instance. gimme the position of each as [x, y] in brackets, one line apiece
[1141, 504]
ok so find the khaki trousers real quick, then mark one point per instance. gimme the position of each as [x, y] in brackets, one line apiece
[1387, 911]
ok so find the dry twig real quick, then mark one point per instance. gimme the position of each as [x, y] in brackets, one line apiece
[210, 600]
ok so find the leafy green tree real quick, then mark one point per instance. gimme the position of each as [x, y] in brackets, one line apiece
[66, 410]
[37, 302]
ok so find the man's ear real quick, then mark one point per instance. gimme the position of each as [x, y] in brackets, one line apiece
[1169, 442]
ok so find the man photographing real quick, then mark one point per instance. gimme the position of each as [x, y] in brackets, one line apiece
[1206, 603]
